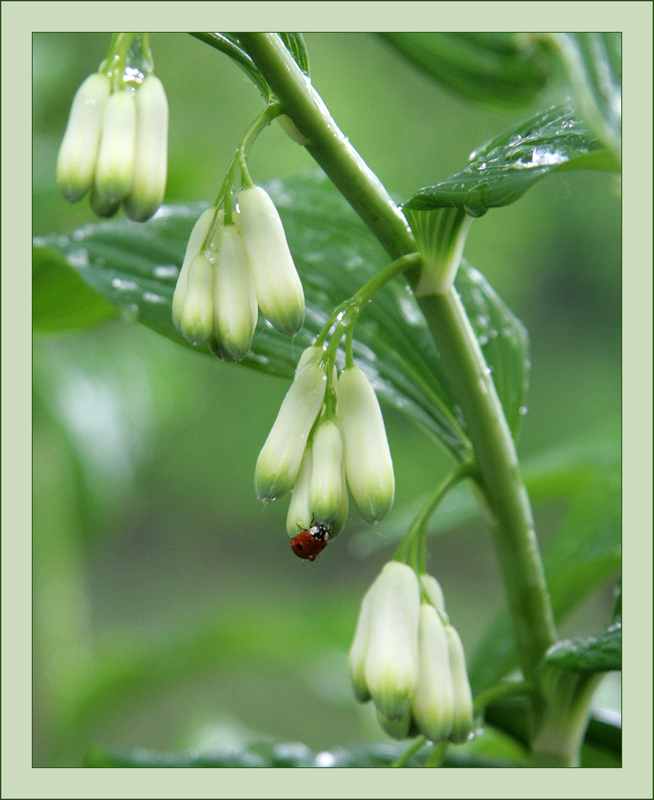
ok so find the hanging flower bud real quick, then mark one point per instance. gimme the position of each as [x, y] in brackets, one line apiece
[292, 130]
[341, 519]
[196, 319]
[234, 302]
[100, 206]
[115, 167]
[432, 704]
[367, 456]
[299, 513]
[79, 147]
[326, 487]
[279, 461]
[357, 656]
[391, 665]
[151, 160]
[463, 708]
[310, 354]
[432, 589]
[195, 242]
[277, 284]
[398, 729]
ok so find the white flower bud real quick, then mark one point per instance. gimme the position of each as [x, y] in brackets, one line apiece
[100, 206]
[234, 302]
[391, 665]
[299, 513]
[196, 318]
[279, 461]
[277, 284]
[367, 456]
[292, 130]
[432, 704]
[326, 487]
[432, 589]
[115, 166]
[341, 519]
[79, 147]
[310, 354]
[398, 729]
[195, 242]
[151, 160]
[463, 707]
[359, 650]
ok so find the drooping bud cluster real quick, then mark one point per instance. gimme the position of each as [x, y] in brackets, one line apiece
[230, 270]
[319, 452]
[409, 660]
[116, 145]
[214, 298]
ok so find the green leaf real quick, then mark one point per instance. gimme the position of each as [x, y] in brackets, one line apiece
[61, 300]
[297, 48]
[584, 553]
[502, 69]
[589, 653]
[593, 63]
[502, 170]
[135, 267]
[381, 754]
[229, 44]
[504, 341]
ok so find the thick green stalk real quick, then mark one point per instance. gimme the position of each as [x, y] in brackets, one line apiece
[508, 503]
[500, 480]
[328, 145]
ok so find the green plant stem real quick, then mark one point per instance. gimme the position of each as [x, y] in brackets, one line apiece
[268, 114]
[328, 145]
[114, 65]
[500, 477]
[349, 355]
[502, 690]
[437, 755]
[353, 306]
[417, 531]
[410, 752]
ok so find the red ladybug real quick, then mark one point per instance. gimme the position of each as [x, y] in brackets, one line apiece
[308, 544]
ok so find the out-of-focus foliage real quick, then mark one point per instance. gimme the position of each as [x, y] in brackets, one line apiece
[488, 68]
[169, 611]
[512, 69]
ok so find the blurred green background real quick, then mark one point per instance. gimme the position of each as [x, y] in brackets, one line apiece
[169, 611]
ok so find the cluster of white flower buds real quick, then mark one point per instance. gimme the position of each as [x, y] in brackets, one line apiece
[409, 660]
[231, 268]
[318, 453]
[116, 145]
